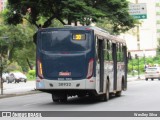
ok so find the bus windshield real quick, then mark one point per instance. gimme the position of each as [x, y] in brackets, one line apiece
[58, 41]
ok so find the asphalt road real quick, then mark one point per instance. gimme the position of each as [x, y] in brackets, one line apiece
[141, 96]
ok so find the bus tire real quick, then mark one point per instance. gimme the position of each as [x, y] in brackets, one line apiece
[118, 93]
[62, 98]
[54, 99]
[106, 95]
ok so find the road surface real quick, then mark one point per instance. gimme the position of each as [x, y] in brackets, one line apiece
[140, 96]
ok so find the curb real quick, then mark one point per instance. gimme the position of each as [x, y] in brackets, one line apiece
[19, 94]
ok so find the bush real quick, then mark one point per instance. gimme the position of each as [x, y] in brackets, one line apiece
[31, 74]
[142, 62]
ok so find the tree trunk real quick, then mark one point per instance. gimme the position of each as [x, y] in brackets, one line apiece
[75, 23]
[69, 20]
[30, 66]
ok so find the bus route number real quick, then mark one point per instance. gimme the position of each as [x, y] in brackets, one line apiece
[64, 84]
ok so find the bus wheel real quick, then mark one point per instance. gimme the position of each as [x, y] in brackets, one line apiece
[106, 95]
[118, 93]
[61, 98]
[54, 99]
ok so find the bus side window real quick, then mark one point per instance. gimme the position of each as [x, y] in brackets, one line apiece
[110, 51]
[105, 50]
[97, 50]
[121, 53]
[117, 51]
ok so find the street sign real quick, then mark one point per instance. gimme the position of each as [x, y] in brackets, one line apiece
[142, 16]
[138, 11]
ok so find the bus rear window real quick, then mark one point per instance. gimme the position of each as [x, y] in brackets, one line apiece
[56, 41]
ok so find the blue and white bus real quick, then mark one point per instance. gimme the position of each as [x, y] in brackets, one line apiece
[80, 61]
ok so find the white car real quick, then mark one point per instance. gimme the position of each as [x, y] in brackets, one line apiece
[152, 73]
[18, 77]
[5, 77]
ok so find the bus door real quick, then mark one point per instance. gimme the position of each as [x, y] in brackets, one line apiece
[100, 64]
[114, 49]
[124, 49]
[120, 65]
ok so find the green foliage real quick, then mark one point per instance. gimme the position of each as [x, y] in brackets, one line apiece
[31, 74]
[142, 62]
[44, 12]
[13, 67]
[19, 46]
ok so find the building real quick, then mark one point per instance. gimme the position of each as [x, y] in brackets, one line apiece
[2, 4]
[145, 40]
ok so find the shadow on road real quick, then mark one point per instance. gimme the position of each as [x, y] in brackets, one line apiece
[83, 100]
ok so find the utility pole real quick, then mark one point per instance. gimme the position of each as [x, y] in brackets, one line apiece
[1, 64]
[137, 57]
[1, 68]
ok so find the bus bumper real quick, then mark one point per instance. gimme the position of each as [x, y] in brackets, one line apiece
[65, 84]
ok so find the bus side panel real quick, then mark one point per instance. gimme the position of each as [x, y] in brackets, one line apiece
[91, 83]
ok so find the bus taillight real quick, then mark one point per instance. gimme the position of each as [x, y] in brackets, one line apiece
[40, 70]
[90, 68]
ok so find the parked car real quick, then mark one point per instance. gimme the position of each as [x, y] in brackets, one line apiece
[7, 78]
[18, 77]
[4, 77]
[152, 73]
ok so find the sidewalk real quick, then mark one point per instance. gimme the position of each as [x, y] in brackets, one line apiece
[134, 78]
[18, 89]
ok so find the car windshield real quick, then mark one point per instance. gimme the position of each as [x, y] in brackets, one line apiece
[152, 69]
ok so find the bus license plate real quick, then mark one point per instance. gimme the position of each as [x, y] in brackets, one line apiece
[64, 84]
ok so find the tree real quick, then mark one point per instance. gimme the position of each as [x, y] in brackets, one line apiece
[18, 46]
[70, 11]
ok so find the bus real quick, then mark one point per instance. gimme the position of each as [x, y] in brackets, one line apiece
[80, 61]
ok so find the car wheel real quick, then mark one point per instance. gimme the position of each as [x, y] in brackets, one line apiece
[152, 79]
[25, 80]
[146, 79]
[8, 81]
[16, 81]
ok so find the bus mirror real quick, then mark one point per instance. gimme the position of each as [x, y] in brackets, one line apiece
[129, 56]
